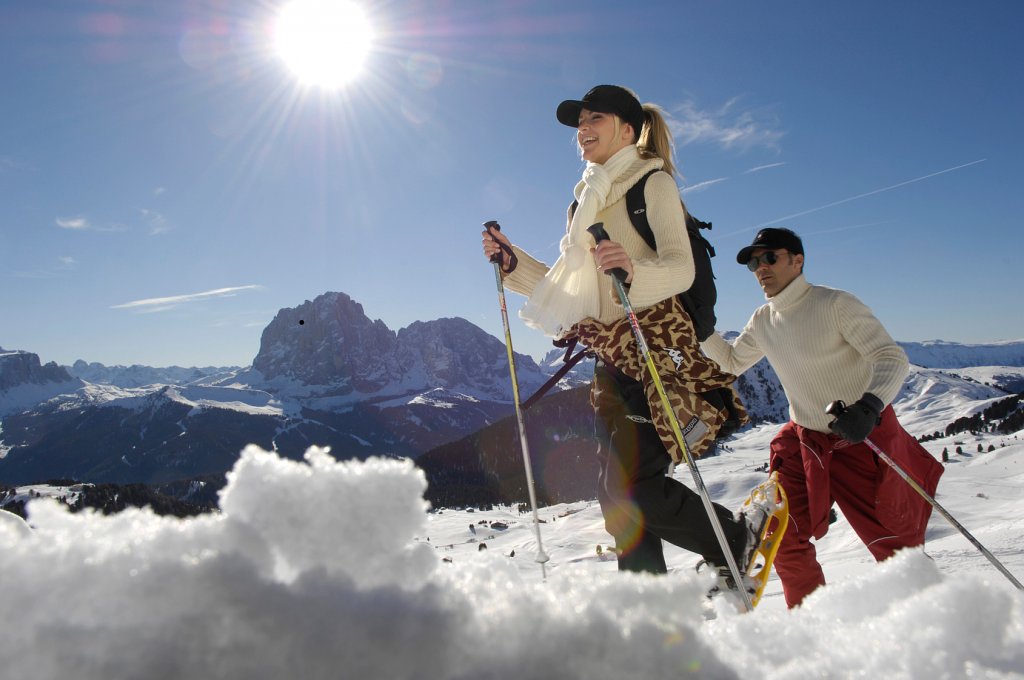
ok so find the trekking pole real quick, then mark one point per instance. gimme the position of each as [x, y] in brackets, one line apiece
[618, 277]
[541, 557]
[838, 407]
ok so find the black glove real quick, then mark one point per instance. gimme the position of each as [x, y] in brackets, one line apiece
[856, 422]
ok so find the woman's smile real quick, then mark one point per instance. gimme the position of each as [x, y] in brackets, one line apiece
[596, 136]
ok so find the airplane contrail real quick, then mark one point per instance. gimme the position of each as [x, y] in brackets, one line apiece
[870, 193]
[763, 167]
[863, 225]
[167, 302]
[702, 185]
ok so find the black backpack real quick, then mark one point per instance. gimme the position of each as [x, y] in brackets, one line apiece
[699, 300]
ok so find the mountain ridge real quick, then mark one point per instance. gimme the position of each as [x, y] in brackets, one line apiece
[327, 374]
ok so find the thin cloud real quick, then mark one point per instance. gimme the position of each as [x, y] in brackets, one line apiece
[83, 224]
[165, 303]
[870, 193]
[700, 186]
[156, 222]
[727, 126]
[763, 167]
[64, 264]
[72, 223]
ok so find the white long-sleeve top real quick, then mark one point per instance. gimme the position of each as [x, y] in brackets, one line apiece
[656, 275]
[823, 343]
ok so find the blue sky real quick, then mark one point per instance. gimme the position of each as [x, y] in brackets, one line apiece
[167, 184]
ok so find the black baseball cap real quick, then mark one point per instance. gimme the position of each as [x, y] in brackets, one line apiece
[772, 239]
[605, 99]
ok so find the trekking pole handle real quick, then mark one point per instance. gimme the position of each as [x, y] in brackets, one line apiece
[598, 232]
[505, 266]
[489, 225]
[836, 408]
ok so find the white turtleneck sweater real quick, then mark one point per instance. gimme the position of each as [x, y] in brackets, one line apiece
[823, 343]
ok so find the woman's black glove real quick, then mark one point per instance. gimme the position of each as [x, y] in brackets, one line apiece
[856, 422]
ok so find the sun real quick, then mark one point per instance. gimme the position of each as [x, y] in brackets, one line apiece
[324, 42]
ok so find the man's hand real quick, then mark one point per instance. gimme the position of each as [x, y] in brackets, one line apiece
[859, 419]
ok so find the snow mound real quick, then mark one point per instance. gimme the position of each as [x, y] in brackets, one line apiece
[315, 569]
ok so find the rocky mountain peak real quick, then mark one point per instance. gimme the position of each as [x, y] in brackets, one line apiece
[327, 341]
[457, 354]
[331, 343]
[24, 368]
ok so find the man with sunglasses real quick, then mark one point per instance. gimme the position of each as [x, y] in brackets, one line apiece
[826, 345]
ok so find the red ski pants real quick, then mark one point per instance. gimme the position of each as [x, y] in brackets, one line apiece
[818, 469]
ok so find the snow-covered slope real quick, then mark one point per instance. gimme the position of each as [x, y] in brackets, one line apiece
[1009, 378]
[930, 400]
[942, 354]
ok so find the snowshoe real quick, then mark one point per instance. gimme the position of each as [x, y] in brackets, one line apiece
[766, 512]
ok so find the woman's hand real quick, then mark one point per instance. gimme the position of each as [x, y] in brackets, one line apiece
[498, 249]
[611, 255]
[490, 241]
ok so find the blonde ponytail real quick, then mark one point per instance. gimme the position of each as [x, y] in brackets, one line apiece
[655, 140]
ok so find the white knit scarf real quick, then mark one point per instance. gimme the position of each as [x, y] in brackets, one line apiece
[569, 292]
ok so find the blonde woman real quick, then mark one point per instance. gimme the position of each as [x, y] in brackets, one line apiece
[623, 143]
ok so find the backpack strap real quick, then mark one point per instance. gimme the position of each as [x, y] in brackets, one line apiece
[699, 300]
[636, 207]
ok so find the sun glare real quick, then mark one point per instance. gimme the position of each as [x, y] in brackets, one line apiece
[324, 42]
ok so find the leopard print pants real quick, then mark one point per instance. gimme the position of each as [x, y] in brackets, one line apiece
[684, 371]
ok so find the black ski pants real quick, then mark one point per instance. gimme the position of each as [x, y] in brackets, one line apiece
[641, 504]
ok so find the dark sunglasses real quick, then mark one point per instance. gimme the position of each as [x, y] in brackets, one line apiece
[768, 258]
